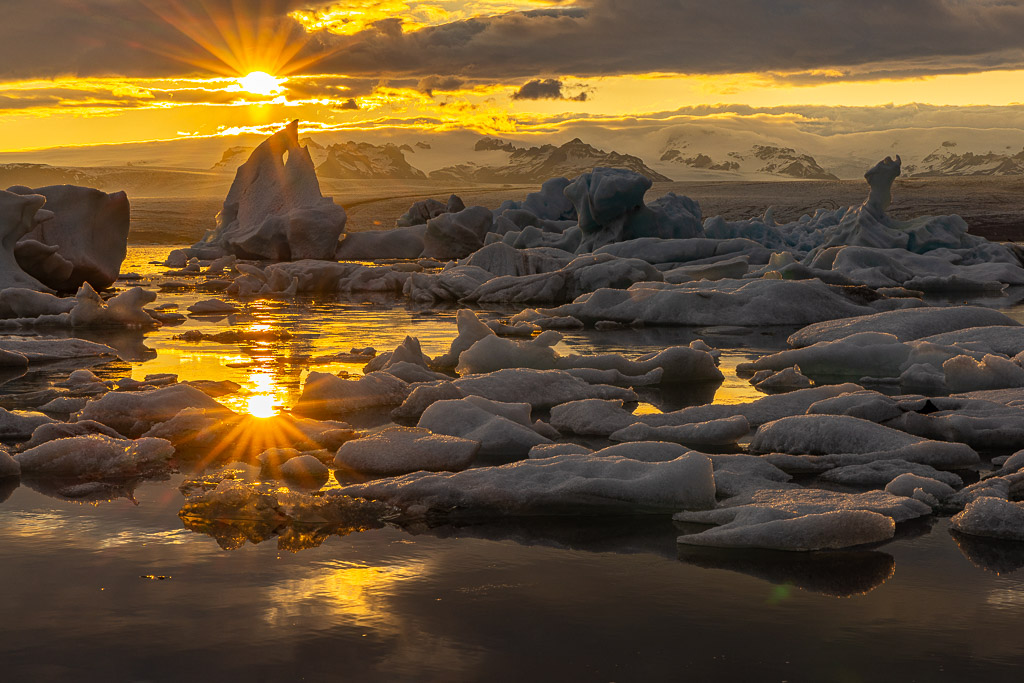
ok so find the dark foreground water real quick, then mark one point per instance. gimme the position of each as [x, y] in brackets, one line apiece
[604, 600]
[123, 589]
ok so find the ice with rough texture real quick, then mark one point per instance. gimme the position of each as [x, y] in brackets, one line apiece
[96, 455]
[992, 518]
[566, 484]
[19, 214]
[722, 432]
[878, 473]
[327, 394]
[539, 388]
[9, 467]
[833, 436]
[399, 450]
[907, 325]
[819, 531]
[908, 484]
[457, 235]
[610, 207]
[500, 428]
[724, 302]
[771, 518]
[85, 241]
[19, 424]
[134, 413]
[274, 209]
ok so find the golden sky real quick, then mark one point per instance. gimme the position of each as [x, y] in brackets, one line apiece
[130, 70]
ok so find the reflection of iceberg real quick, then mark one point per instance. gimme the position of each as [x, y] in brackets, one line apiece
[86, 491]
[8, 485]
[839, 574]
[621, 535]
[1001, 557]
[236, 511]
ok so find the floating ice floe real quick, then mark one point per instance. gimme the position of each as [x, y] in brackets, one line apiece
[44, 350]
[820, 442]
[604, 419]
[539, 388]
[9, 467]
[905, 325]
[992, 518]
[134, 413]
[274, 209]
[95, 456]
[398, 450]
[325, 394]
[503, 429]
[19, 425]
[302, 469]
[802, 519]
[676, 364]
[724, 302]
[568, 484]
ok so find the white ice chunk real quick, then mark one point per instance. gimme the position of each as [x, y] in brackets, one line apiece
[398, 450]
[486, 422]
[907, 484]
[908, 324]
[95, 456]
[539, 388]
[566, 484]
[844, 440]
[134, 413]
[327, 394]
[722, 432]
[992, 518]
[18, 424]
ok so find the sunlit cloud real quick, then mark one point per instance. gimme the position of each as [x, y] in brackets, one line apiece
[356, 16]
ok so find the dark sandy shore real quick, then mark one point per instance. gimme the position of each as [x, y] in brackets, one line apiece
[992, 207]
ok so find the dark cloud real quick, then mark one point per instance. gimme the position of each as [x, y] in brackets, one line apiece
[350, 103]
[545, 89]
[584, 38]
[431, 83]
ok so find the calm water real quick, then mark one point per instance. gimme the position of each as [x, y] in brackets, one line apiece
[602, 600]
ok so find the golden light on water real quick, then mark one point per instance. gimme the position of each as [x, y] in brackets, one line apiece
[261, 405]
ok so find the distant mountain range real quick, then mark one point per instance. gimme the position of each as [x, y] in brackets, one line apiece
[944, 161]
[388, 161]
[347, 160]
[537, 164]
[759, 159]
[363, 160]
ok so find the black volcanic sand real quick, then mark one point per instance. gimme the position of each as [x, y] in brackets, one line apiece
[992, 206]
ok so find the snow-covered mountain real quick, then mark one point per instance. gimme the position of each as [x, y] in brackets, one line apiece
[537, 164]
[947, 161]
[344, 160]
[363, 160]
[705, 151]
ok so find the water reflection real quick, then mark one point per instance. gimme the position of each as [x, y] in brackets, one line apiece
[87, 491]
[623, 535]
[8, 485]
[234, 512]
[990, 554]
[839, 574]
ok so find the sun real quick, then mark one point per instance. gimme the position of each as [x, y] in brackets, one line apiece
[260, 83]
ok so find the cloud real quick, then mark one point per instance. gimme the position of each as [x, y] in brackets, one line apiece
[350, 103]
[832, 39]
[432, 83]
[546, 89]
